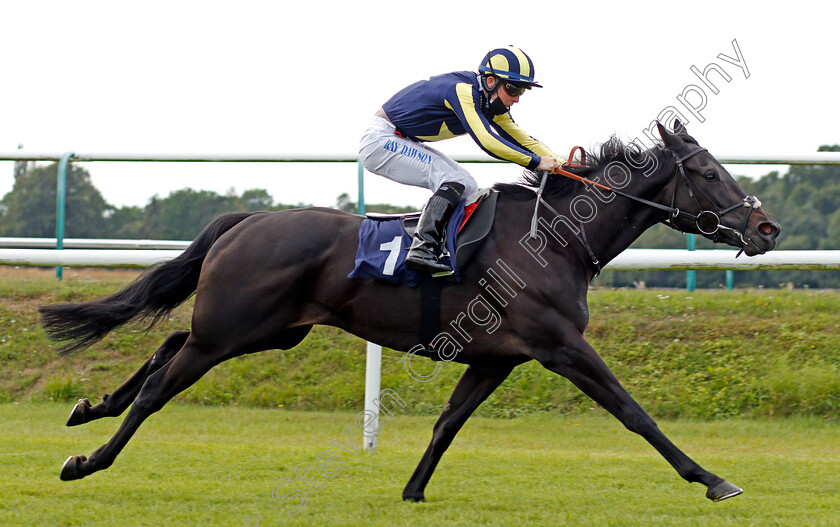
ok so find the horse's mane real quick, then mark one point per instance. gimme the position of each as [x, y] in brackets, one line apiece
[612, 150]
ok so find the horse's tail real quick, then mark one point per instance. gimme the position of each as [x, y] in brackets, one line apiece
[150, 297]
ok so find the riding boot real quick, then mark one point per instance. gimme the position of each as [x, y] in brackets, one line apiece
[424, 254]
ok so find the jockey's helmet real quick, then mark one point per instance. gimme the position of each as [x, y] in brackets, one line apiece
[509, 64]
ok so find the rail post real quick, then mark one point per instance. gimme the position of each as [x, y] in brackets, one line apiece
[691, 275]
[373, 379]
[61, 193]
[373, 361]
[360, 206]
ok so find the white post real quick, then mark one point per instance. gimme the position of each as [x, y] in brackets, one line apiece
[373, 373]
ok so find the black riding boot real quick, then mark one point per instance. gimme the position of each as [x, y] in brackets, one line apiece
[424, 254]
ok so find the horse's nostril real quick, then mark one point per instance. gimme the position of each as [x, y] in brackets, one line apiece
[767, 228]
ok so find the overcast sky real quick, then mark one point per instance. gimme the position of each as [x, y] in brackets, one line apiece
[305, 77]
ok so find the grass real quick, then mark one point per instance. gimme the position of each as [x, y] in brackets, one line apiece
[194, 465]
[706, 354]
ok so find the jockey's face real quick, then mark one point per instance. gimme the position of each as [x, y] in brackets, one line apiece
[507, 99]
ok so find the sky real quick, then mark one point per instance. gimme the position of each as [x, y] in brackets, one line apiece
[250, 77]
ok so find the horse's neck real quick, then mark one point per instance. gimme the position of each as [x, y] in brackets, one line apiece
[622, 220]
[616, 221]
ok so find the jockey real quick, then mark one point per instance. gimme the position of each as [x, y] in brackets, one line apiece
[446, 106]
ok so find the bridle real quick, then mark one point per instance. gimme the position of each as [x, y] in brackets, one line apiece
[700, 219]
[751, 202]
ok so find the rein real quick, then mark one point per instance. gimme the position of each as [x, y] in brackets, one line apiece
[750, 202]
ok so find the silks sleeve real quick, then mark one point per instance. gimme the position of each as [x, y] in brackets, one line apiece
[465, 105]
[511, 131]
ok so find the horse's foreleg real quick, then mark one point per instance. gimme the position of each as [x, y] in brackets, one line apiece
[585, 369]
[114, 404]
[188, 365]
[475, 385]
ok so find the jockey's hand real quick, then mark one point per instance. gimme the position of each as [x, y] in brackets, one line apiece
[548, 163]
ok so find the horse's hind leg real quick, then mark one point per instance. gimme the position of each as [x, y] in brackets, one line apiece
[581, 364]
[475, 385]
[115, 403]
[188, 365]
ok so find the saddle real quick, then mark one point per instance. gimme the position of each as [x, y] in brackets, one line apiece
[384, 239]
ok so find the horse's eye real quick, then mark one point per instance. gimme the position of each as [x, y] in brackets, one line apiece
[711, 176]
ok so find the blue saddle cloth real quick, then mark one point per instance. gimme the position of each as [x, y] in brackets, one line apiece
[383, 246]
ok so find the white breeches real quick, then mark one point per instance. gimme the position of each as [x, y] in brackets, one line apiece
[404, 161]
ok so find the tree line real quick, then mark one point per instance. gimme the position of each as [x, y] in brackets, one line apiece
[805, 201]
[29, 209]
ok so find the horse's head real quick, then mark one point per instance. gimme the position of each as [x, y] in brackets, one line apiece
[710, 201]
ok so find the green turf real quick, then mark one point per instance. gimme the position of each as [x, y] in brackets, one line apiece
[199, 465]
[708, 354]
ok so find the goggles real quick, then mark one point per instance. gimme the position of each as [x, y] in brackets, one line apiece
[514, 90]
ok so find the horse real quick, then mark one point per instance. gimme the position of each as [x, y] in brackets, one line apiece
[262, 280]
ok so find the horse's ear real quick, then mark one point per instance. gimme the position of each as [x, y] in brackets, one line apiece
[672, 141]
[679, 128]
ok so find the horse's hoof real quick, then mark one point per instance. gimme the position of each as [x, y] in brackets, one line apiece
[70, 469]
[723, 490]
[79, 415]
[414, 499]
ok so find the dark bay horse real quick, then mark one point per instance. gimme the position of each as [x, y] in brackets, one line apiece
[262, 280]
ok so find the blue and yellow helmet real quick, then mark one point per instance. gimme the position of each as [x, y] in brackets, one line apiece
[510, 64]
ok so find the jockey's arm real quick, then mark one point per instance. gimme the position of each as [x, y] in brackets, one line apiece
[506, 127]
[465, 106]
